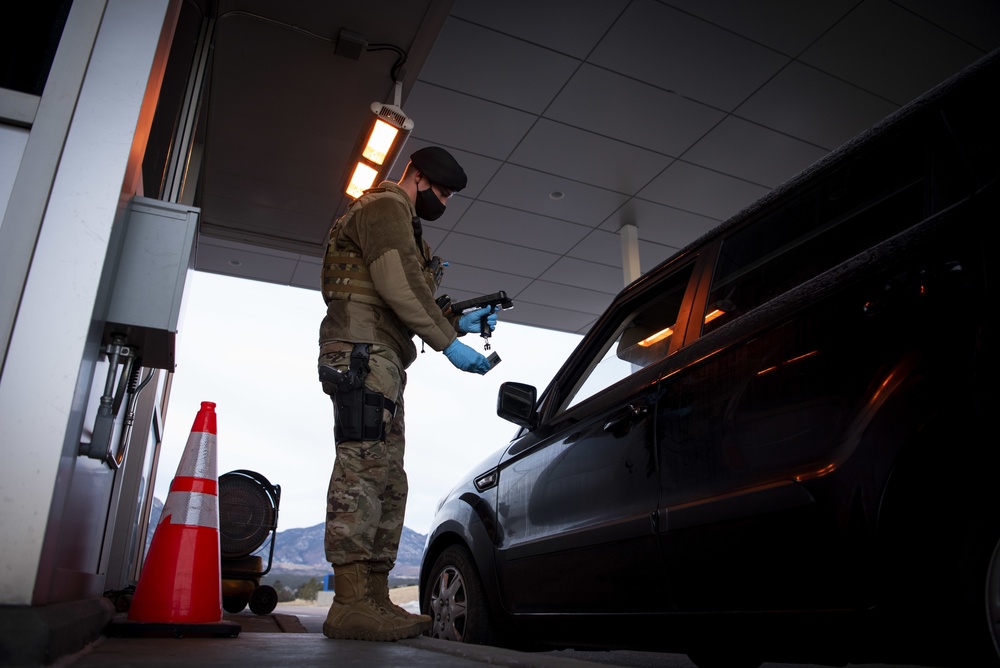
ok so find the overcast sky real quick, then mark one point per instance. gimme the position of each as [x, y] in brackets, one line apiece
[251, 348]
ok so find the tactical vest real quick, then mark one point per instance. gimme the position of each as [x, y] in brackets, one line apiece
[345, 275]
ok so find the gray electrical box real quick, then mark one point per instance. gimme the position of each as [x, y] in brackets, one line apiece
[158, 253]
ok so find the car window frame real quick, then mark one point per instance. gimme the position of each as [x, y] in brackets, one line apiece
[552, 406]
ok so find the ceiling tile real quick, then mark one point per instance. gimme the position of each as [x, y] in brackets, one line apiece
[631, 111]
[491, 221]
[465, 281]
[246, 219]
[890, 52]
[546, 23]
[489, 254]
[566, 296]
[678, 52]
[219, 256]
[598, 261]
[788, 26]
[584, 156]
[702, 191]
[813, 106]
[433, 236]
[491, 66]
[586, 275]
[601, 247]
[274, 194]
[661, 224]
[975, 21]
[442, 116]
[307, 274]
[545, 317]
[754, 153]
[530, 190]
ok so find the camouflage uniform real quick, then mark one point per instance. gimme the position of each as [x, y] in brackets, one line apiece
[379, 279]
[366, 498]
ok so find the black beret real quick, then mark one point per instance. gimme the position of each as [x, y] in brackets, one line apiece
[440, 167]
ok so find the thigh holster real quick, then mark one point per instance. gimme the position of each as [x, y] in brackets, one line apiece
[357, 410]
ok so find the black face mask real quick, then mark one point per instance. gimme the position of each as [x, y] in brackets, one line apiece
[428, 206]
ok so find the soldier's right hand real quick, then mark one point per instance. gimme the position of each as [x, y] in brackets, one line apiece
[465, 358]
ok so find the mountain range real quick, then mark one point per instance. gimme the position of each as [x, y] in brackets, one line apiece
[300, 551]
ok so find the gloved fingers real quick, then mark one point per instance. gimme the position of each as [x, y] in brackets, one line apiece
[477, 365]
[469, 322]
[465, 358]
[479, 313]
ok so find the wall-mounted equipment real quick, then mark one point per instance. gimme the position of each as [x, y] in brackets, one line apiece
[151, 264]
[157, 256]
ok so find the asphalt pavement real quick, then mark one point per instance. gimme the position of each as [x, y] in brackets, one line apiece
[311, 617]
[291, 636]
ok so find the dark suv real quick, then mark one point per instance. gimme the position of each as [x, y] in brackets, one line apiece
[775, 444]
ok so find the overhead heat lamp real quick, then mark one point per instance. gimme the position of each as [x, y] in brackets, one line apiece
[383, 139]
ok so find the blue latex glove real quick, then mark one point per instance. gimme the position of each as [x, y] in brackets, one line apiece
[471, 322]
[465, 358]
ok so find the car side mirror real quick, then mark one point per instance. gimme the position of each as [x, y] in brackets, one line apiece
[516, 403]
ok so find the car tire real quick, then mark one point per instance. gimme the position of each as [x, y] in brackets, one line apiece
[456, 600]
[993, 599]
[981, 612]
[971, 618]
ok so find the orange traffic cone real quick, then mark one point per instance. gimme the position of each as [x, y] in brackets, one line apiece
[180, 588]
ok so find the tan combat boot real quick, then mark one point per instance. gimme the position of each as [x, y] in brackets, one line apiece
[355, 616]
[379, 587]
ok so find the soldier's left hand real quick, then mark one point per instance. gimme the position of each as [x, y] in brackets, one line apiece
[469, 323]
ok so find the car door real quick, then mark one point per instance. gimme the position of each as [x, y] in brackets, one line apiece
[739, 429]
[769, 496]
[577, 495]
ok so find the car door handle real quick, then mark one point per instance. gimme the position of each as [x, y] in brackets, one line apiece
[622, 424]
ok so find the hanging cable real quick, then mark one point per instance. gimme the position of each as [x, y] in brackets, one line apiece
[400, 59]
[400, 53]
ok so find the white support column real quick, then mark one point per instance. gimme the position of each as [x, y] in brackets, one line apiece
[630, 252]
[44, 376]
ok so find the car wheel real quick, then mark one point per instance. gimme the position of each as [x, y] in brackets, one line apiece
[974, 621]
[992, 602]
[456, 600]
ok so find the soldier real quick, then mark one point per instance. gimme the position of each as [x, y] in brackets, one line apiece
[379, 279]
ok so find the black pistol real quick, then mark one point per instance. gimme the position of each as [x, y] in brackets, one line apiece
[496, 301]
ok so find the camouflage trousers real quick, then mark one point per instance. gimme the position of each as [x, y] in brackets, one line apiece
[366, 499]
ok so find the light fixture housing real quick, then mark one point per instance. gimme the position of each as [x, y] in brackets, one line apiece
[381, 143]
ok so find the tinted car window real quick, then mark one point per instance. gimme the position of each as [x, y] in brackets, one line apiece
[862, 203]
[643, 337]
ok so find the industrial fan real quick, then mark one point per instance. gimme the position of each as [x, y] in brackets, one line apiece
[248, 519]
